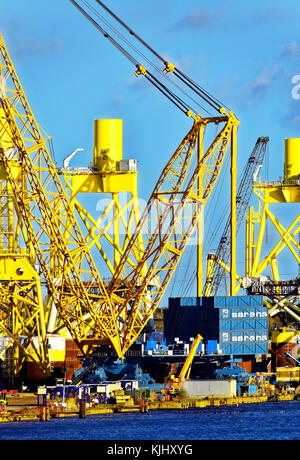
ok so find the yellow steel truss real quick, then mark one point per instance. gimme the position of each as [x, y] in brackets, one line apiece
[268, 195]
[110, 233]
[50, 223]
[257, 264]
[22, 321]
[120, 215]
[167, 223]
[22, 314]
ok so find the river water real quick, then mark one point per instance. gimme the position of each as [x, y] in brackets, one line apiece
[265, 421]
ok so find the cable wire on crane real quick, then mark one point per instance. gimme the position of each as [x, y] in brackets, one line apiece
[142, 55]
[215, 103]
[169, 68]
[186, 284]
[178, 102]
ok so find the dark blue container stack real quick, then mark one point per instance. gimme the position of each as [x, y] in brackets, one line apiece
[239, 325]
[188, 316]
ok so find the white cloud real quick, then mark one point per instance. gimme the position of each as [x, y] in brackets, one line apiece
[254, 92]
[291, 50]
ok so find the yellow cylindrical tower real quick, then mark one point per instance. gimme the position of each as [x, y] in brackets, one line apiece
[108, 144]
[292, 160]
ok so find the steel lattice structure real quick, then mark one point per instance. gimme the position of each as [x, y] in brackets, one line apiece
[50, 223]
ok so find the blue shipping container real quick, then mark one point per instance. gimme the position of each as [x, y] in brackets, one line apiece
[240, 325]
[251, 336]
[244, 349]
[238, 301]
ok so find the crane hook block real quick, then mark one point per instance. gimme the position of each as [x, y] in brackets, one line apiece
[140, 70]
[169, 68]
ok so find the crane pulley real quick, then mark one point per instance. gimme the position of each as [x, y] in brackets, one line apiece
[169, 67]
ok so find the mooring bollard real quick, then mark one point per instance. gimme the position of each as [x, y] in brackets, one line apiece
[43, 412]
[144, 407]
[82, 404]
[82, 409]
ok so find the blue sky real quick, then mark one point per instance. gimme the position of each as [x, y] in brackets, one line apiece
[244, 53]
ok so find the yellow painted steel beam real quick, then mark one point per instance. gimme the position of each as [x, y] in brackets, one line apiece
[285, 237]
[233, 174]
[22, 314]
[275, 270]
[200, 224]
[259, 241]
[210, 267]
[211, 260]
[95, 182]
[126, 214]
[270, 194]
[251, 218]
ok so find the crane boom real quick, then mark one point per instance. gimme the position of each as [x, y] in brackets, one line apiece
[177, 382]
[93, 17]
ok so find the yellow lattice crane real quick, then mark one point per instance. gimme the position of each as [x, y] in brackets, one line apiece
[62, 255]
[22, 316]
[176, 203]
[174, 208]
